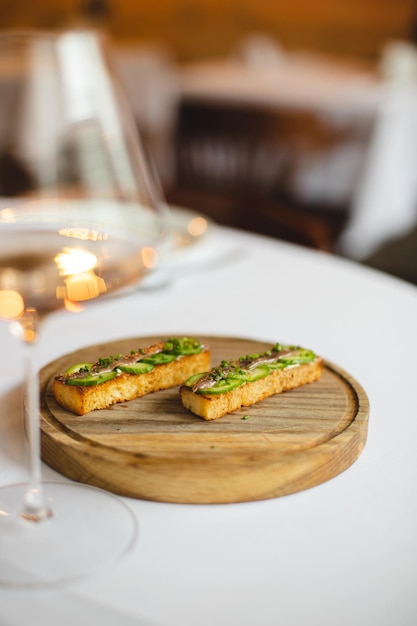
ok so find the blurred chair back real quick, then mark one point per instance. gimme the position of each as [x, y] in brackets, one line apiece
[282, 172]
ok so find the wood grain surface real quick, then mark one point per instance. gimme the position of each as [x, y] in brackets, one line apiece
[153, 448]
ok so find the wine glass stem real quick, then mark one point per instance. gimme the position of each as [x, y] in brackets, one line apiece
[34, 508]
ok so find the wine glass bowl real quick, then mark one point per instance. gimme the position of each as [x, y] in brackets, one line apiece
[80, 219]
[80, 177]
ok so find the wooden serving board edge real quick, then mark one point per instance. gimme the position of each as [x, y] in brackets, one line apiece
[249, 480]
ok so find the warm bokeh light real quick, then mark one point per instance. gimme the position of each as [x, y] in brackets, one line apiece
[73, 307]
[150, 257]
[85, 234]
[84, 286]
[74, 261]
[7, 216]
[197, 226]
[29, 335]
[12, 305]
[25, 327]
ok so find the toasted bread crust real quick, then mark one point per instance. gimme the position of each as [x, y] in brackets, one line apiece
[82, 400]
[211, 407]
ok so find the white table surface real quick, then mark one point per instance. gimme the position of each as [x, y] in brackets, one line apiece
[344, 552]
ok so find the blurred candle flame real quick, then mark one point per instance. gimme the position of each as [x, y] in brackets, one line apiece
[74, 261]
[81, 283]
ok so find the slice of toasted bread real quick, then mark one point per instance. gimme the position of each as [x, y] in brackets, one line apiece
[80, 399]
[208, 405]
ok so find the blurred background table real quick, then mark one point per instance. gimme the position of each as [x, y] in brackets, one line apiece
[275, 144]
[300, 146]
[309, 147]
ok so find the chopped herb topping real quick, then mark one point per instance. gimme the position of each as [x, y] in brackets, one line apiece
[249, 368]
[136, 362]
[106, 361]
[182, 346]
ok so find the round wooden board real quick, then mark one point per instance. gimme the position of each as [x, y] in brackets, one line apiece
[153, 448]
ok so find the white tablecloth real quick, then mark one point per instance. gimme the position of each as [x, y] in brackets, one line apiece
[344, 552]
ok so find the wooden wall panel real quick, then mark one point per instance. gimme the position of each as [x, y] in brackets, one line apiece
[201, 28]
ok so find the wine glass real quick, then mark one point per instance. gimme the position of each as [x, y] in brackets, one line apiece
[80, 218]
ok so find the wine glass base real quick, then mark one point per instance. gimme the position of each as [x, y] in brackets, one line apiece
[89, 530]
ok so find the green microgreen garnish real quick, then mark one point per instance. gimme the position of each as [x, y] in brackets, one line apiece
[251, 367]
